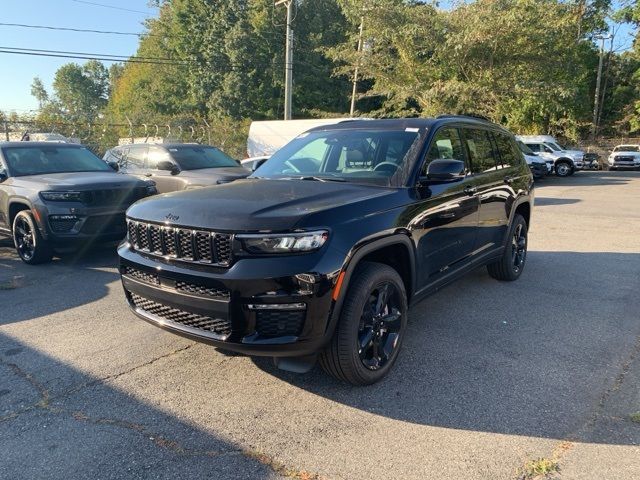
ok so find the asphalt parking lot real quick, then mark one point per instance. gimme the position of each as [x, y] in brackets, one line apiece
[491, 376]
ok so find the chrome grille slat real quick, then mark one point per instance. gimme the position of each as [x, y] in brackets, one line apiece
[184, 244]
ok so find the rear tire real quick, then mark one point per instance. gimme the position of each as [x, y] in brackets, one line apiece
[30, 245]
[371, 327]
[512, 262]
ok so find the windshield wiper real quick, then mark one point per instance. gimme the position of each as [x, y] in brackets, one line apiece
[321, 179]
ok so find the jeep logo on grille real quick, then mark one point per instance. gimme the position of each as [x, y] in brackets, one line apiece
[172, 218]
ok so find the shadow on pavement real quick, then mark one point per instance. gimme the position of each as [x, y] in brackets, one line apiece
[69, 281]
[93, 430]
[546, 202]
[591, 179]
[534, 357]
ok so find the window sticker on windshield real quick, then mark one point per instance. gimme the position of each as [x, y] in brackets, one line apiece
[411, 129]
[173, 149]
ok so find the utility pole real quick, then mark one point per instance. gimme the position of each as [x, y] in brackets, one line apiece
[357, 70]
[288, 74]
[594, 125]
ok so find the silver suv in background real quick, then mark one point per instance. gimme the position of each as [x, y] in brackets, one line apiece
[179, 166]
[624, 156]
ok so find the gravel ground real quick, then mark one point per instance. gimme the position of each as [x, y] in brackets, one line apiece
[492, 376]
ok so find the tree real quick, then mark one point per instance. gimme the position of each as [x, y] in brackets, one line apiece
[38, 91]
[82, 90]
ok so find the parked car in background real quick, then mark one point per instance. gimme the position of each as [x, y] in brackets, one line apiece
[624, 156]
[537, 165]
[61, 195]
[563, 165]
[253, 163]
[576, 155]
[320, 253]
[178, 166]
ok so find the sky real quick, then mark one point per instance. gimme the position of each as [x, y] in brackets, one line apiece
[19, 70]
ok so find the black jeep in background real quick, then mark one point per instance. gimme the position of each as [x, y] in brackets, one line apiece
[56, 195]
[322, 250]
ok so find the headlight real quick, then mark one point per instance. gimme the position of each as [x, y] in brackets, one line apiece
[283, 243]
[62, 196]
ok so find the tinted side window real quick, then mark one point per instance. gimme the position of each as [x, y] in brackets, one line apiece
[446, 145]
[507, 149]
[535, 147]
[137, 156]
[156, 154]
[481, 151]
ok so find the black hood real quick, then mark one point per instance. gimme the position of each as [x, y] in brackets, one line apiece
[80, 181]
[254, 204]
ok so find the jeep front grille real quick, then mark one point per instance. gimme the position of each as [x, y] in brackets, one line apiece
[188, 319]
[181, 243]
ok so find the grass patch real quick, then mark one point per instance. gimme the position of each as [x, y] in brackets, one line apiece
[540, 468]
[635, 417]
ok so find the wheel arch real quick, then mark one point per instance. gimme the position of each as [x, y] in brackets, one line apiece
[15, 207]
[396, 250]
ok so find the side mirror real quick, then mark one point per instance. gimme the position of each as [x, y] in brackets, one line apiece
[113, 164]
[445, 170]
[168, 166]
[3, 176]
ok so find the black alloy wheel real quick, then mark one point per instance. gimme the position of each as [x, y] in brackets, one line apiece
[519, 247]
[370, 330]
[30, 245]
[510, 265]
[380, 325]
[23, 237]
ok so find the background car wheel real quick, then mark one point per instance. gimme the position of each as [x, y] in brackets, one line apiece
[563, 169]
[512, 262]
[30, 245]
[371, 328]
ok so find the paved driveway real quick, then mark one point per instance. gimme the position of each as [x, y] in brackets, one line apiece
[491, 377]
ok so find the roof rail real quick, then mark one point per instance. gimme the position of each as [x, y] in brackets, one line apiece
[466, 115]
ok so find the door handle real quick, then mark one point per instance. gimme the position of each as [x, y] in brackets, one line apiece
[470, 190]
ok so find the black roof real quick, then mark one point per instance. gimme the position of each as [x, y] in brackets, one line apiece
[402, 123]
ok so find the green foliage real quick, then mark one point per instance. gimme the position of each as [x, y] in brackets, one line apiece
[528, 64]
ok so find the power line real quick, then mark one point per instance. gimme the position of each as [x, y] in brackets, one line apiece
[81, 30]
[95, 4]
[102, 55]
[83, 57]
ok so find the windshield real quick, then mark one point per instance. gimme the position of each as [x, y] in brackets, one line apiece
[627, 148]
[359, 156]
[52, 159]
[524, 149]
[197, 157]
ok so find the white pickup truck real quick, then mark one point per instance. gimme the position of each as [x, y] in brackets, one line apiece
[565, 162]
[624, 156]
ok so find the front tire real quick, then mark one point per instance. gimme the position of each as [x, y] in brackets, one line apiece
[563, 169]
[31, 247]
[512, 262]
[371, 328]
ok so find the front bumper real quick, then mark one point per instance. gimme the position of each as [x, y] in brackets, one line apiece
[259, 306]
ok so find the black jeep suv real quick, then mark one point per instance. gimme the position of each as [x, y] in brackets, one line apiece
[321, 251]
[55, 195]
